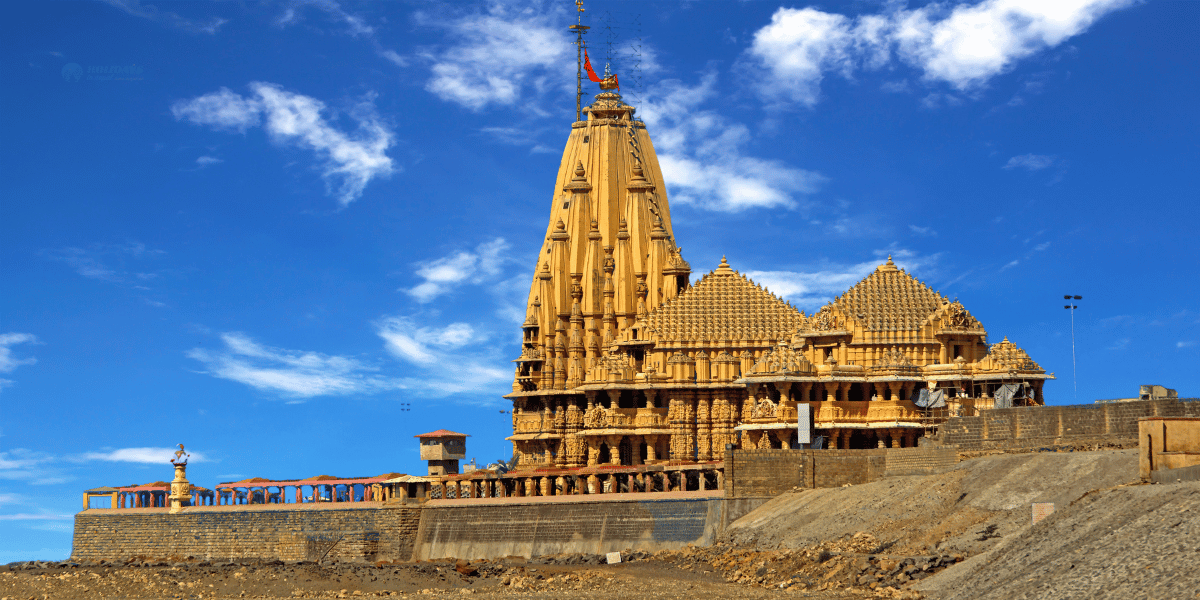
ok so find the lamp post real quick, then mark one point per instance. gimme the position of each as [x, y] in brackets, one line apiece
[1074, 369]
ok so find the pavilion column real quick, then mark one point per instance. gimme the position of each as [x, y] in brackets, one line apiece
[844, 391]
[895, 434]
[831, 390]
[614, 449]
[881, 438]
[529, 489]
[908, 389]
[593, 484]
[593, 450]
[560, 486]
[651, 451]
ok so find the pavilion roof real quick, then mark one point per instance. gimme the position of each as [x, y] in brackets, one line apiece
[887, 299]
[318, 480]
[146, 487]
[725, 306]
[441, 433]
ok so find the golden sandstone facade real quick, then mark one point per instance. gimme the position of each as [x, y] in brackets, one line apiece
[625, 362]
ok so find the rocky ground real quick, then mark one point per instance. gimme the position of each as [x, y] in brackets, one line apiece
[956, 535]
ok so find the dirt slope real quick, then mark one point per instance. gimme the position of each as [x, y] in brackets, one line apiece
[1132, 542]
[967, 510]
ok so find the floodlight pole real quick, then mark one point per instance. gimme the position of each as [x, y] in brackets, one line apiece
[1074, 368]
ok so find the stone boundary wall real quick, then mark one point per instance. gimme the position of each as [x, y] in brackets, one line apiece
[1181, 474]
[535, 529]
[360, 534]
[750, 473]
[1027, 427]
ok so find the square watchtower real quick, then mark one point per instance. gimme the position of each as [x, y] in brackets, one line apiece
[443, 449]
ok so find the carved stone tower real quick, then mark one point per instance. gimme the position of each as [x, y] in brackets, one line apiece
[609, 255]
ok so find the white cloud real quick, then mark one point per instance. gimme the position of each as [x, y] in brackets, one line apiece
[963, 46]
[30, 466]
[204, 161]
[1010, 265]
[496, 56]
[291, 373]
[1030, 162]
[36, 517]
[452, 359]
[926, 231]
[349, 160]
[8, 361]
[444, 274]
[405, 340]
[701, 154]
[812, 288]
[141, 455]
[1184, 344]
[152, 13]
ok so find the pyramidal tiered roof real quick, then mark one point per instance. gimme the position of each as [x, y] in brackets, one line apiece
[889, 299]
[725, 306]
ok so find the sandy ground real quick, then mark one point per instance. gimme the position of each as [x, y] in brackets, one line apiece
[645, 578]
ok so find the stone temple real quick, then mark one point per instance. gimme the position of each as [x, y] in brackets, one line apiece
[625, 361]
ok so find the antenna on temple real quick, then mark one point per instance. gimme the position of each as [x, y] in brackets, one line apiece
[579, 28]
[623, 40]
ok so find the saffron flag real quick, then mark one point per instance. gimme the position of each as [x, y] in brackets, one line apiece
[587, 65]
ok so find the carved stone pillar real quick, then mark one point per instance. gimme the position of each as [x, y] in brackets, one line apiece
[704, 425]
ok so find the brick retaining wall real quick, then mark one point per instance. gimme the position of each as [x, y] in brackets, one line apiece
[1042, 426]
[751, 473]
[534, 529]
[222, 533]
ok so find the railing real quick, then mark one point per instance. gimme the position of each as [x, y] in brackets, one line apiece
[645, 479]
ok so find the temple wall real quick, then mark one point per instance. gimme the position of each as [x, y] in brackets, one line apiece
[1112, 423]
[755, 473]
[222, 533]
[516, 528]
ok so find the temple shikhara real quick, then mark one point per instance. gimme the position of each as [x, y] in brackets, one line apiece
[625, 361]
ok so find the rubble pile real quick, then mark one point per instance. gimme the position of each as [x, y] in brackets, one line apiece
[854, 563]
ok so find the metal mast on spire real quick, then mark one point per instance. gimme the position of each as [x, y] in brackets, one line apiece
[579, 28]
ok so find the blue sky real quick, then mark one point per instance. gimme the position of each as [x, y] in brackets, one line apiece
[266, 230]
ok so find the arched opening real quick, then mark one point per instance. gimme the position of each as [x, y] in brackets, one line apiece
[643, 452]
[605, 456]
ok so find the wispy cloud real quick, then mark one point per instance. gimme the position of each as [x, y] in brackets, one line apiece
[1187, 344]
[349, 161]
[1030, 162]
[153, 13]
[96, 261]
[141, 455]
[702, 155]
[963, 46]
[30, 466]
[290, 373]
[450, 360]
[811, 288]
[8, 360]
[442, 275]
[925, 231]
[1010, 264]
[204, 161]
[496, 57]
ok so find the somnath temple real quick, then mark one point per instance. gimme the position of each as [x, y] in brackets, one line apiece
[626, 361]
